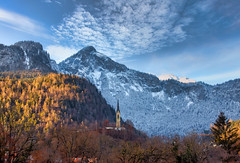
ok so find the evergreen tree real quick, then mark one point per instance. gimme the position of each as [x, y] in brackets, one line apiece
[225, 135]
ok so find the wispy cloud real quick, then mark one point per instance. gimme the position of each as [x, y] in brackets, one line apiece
[48, 1]
[21, 23]
[120, 28]
[51, 1]
[60, 53]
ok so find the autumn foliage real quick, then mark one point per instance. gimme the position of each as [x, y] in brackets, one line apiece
[32, 103]
[53, 99]
[62, 118]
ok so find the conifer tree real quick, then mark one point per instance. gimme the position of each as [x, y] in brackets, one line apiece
[225, 135]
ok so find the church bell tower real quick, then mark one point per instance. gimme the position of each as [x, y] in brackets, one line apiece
[118, 123]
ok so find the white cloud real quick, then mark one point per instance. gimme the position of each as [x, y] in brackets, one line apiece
[58, 2]
[51, 1]
[48, 1]
[128, 27]
[21, 23]
[59, 53]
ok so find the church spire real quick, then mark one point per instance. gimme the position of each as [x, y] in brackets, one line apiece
[118, 105]
[118, 119]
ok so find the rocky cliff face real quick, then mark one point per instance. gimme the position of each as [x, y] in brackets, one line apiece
[24, 55]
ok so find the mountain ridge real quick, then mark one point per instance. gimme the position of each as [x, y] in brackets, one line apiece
[154, 106]
[24, 55]
[180, 79]
[143, 95]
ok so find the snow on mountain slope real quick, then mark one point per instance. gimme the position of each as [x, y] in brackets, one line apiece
[154, 106]
[180, 79]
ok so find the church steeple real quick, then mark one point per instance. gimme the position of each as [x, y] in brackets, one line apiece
[118, 105]
[118, 122]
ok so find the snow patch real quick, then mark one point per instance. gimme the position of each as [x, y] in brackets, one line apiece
[96, 74]
[110, 75]
[100, 55]
[136, 88]
[187, 98]
[168, 108]
[167, 77]
[26, 60]
[159, 95]
[189, 103]
[186, 80]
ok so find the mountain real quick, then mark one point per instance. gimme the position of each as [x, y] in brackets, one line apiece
[155, 106]
[180, 79]
[24, 55]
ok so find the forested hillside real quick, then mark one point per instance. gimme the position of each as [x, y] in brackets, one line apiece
[51, 99]
[38, 110]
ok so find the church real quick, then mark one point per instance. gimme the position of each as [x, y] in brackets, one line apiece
[116, 126]
[118, 119]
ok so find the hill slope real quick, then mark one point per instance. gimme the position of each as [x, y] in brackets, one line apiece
[53, 99]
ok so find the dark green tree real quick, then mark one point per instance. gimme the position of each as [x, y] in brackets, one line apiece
[225, 135]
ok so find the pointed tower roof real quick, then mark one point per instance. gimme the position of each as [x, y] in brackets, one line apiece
[118, 105]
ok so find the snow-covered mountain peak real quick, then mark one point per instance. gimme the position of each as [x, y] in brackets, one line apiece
[154, 106]
[90, 53]
[89, 60]
[88, 49]
[173, 77]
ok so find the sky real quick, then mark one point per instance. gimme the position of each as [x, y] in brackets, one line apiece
[195, 39]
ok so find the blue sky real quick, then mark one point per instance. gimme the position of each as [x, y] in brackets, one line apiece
[196, 39]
